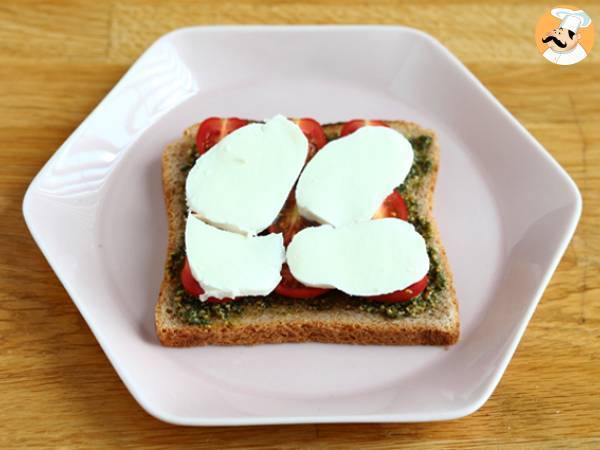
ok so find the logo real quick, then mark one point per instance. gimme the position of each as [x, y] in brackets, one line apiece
[564, 35]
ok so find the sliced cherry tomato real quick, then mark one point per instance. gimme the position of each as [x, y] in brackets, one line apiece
[403, 295]
[289, 221]
[290, 287]
[192, 287]
[353, 125]
[392, 206]
[314, 133]
[190, 284]
[213, 129]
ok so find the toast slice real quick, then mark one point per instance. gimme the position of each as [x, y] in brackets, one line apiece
[430, 319]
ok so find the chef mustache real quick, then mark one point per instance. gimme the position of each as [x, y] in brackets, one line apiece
[556, 41]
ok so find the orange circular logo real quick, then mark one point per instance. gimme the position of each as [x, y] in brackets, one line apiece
[564, 35]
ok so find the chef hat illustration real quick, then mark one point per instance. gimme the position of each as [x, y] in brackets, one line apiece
[571, 20]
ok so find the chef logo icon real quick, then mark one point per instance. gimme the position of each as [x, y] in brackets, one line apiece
[565, 35]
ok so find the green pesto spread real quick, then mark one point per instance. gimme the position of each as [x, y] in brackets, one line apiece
[194, 312]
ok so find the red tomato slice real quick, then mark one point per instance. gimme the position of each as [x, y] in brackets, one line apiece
[188, 281]
[392, 206]
[289, 221]
[353, 125]
[192, 287]
[290, 287]
[403, 295]
[213, 129]
[314, 133]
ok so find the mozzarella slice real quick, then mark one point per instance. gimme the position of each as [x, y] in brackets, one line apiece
[348, 179]
[368, 258]
[229, 265]
[242, 182]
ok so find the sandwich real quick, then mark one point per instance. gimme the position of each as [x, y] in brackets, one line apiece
[291, 231]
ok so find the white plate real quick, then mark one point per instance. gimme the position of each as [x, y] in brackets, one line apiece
[506, 210]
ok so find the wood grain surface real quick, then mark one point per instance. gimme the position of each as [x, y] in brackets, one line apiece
[57, 389]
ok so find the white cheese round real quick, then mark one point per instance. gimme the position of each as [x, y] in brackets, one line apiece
[242, 182]
[365, 259]
[348, 179]
[230, 265]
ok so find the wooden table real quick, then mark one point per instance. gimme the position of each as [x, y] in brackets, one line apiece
[58, 60]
